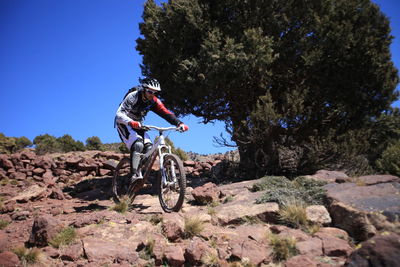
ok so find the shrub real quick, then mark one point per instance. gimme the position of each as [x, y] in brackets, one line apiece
[67, 143]
[27, 256]
[193, 226]
[13, 144]
[46, 144]
[269, 182]
[94, 143]
[65, 237]
[390, 160]
[284, 191]
[3, 223]
[210, 260]
[294, 213]
[122, 206]
[282, 248]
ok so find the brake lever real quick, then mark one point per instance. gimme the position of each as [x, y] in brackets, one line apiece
[145, 128]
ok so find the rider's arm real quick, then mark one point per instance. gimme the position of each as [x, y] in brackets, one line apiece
[122, 113]
[164, 113]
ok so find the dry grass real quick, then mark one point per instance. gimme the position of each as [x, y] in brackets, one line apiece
[64, 237]
[122, 206]
[3, 224]
[282, 248]
[193, 227]
[27, 256]
[294, 213]
[210, 260]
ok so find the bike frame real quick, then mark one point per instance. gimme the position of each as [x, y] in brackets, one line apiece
[159, 145]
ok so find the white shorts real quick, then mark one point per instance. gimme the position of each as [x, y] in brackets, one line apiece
[129, 135]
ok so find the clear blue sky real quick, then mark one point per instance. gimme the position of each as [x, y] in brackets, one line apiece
[66, 64]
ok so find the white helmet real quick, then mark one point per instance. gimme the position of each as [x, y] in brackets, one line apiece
[150, 83]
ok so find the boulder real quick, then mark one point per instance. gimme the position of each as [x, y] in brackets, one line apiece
[44, 229]
[72, 252]
[351, 206]
[9, 259]
[172, 227]
[318, 214]
[329, 176]
[206, 193]
[378, 179]
[255, 252]
[33, 192]
[173, 254]
[301, 261]
[333, 246]
[3, 241]
[311, 247]
[381, 250]
[196, 249]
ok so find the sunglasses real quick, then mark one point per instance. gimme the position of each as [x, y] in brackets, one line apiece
[150, 91]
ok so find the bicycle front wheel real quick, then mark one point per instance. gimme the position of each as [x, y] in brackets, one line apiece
[171, 183]
[121, 182]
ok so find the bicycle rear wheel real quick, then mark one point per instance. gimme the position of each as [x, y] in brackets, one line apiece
[171, 192]
[121, 182]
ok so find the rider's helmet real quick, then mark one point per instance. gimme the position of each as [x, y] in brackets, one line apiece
[151, 84]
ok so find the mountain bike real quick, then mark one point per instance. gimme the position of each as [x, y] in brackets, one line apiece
[171, 178]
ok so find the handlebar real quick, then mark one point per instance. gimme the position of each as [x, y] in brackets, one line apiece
[161, 129]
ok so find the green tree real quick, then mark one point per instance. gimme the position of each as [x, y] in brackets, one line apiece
[291, 79]
[46, 144]
[94, 143]
[67, 143]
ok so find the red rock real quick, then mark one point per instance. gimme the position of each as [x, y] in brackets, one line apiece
[172, 227]
[104, 172]
[44, 229]
[311, 247]
[44, 162]
[3, 241]
[72, 252]
[189, 163]
[39, 171]
[381, 250]
[254, 251]
[18, 176]
[5, 162]
[206, 193]
[9, 259]
[196, 249]
[300, 261]
[174, 255]
[333, 246]
[56, 193]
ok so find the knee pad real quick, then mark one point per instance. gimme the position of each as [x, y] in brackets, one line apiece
[137, 146]
[147, 147]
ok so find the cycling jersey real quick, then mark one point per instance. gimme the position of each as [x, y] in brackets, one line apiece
[134, 107]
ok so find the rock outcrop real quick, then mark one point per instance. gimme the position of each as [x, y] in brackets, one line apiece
[40, 195]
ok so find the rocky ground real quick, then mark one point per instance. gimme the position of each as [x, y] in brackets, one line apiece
[43, 195]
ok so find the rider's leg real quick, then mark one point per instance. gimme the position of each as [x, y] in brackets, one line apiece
[136, 150]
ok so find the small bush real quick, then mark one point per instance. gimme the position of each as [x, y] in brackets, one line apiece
[210, 260]
[94, 143]
[147, 251]
[282, 248]
[269, 182]
[122, 206]
[390, 160]
[294, 214]
[64, 237]
[308, 190]
[27, 256]
[193, 226]
[3, 223]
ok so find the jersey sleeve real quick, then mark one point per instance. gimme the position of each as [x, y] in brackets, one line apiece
[164, 113]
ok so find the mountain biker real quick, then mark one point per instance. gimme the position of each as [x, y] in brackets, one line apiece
[130, 115]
